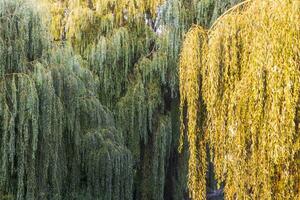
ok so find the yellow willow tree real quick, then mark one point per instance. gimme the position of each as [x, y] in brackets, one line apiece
[247, 72]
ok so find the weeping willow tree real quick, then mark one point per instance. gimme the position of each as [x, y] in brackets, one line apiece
[57, 140]
[246, 68]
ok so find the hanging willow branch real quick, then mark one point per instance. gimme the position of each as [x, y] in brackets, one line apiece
[191, 62]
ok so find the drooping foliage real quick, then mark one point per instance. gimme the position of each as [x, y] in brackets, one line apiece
[191, 62]
[247, 72]
[89, 97]
[52, 122]
[154, 169]
[133, 50]
[133, 47]
[110, 35]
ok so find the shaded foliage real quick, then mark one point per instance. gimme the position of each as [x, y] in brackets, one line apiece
[52, 120]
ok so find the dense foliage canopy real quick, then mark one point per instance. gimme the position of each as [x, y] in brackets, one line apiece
[92, 93]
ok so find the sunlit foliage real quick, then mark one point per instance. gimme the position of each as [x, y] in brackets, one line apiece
[250, 85]
[191, 63]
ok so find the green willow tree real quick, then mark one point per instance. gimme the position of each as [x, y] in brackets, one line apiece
[89, 99]
[57, 140]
